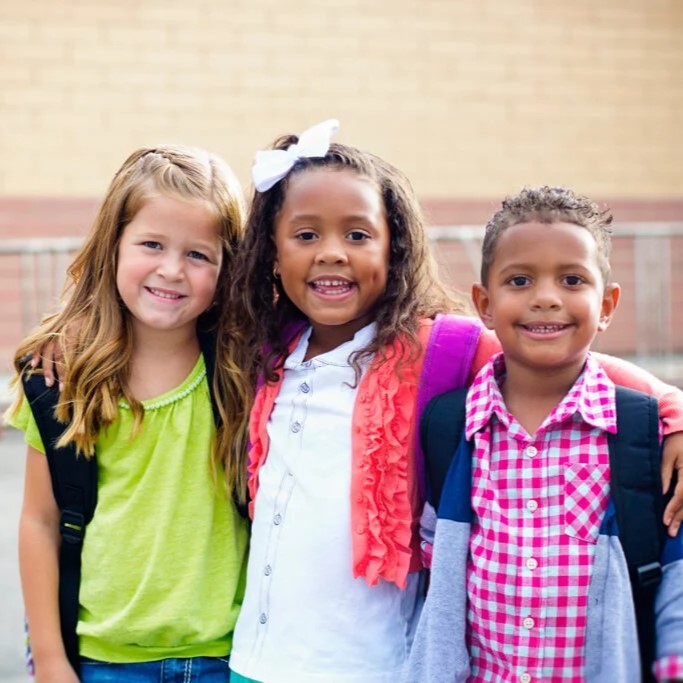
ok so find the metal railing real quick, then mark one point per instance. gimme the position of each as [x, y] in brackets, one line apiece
[43, 264]
[653, 276]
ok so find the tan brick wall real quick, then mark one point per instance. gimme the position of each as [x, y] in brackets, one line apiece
[472, 99]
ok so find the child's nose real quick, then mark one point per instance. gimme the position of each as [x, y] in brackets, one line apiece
[171, 267]
[546, 296]
[331, 251]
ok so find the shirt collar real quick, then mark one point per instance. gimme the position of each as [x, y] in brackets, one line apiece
[592, 397]
[337, 356]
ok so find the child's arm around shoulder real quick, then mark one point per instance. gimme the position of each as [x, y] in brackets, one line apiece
[670, 401]
[669, 397]
[39, 569]
[620, 371]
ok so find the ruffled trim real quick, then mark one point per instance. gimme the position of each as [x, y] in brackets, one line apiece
[266, 393]
[258, 436]
[256, 450]
[385, 503]
[383, 480]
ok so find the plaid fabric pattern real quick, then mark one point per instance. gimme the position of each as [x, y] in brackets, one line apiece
[28, 654]
[669, 668]
[538, 502]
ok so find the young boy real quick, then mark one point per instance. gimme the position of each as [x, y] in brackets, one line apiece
[527, 582]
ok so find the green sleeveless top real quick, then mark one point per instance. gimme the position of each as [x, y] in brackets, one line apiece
[164, 557]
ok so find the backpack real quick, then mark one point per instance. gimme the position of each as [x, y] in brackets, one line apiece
[447, 365]
[635, 457]
[74, 485]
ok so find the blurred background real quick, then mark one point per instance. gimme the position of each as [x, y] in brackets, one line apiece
[473, 100]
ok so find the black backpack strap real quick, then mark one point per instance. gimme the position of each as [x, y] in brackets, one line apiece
[207, 345]
[74, 485]
[441, 428]
[635, 459]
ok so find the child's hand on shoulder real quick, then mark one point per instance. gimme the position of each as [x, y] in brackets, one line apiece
[48, 358]
[672, 461]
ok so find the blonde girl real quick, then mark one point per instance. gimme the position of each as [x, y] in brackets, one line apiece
[337, 281]
[162, 560]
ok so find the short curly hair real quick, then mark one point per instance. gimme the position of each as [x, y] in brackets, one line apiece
[549, 205]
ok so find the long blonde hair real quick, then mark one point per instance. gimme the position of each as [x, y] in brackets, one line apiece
[93, 329]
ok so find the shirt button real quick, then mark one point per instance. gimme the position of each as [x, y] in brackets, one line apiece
[296, 427]
[277, 519]
[531, 451]
[263, 618]
[528, 622]
[304, 387]
[360, 529]
[525, 678]
[532, 505]
[531, 563]
[267, 570]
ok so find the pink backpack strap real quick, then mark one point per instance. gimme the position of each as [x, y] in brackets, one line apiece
[447, 365]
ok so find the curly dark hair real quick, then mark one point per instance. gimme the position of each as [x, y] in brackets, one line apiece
[413, 288]
[549, 205]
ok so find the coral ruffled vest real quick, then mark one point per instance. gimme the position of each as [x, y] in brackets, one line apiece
[387, 482]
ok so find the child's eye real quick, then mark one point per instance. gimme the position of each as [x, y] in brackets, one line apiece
[519, 281]
[358, 235]
[151, 244]
[572, 280]
[305, 235]
[198, 255]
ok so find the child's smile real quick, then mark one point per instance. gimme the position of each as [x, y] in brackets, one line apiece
[331, 287]
[546, 297]
[544, 330]
[164, 294]
[168, 262]
[332, 242]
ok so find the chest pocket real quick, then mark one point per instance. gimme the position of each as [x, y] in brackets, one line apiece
[586, 494]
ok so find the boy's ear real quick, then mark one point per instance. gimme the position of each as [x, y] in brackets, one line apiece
[610, 299]
[482, 302]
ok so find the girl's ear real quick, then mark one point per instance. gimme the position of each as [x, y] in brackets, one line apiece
[482, 302]
[610, 299]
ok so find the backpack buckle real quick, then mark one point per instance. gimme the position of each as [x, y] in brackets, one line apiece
[72, 526]
[649, 575]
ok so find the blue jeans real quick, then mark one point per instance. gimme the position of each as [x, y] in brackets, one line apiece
[193, 670]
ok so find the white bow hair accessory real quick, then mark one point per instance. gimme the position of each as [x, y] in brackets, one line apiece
[272, 165]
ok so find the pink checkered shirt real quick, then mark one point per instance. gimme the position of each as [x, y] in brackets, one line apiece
[538, 503]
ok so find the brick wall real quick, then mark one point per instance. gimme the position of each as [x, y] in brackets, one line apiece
[472, 99]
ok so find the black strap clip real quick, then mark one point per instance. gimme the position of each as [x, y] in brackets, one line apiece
[72, 526]
[649, 575]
